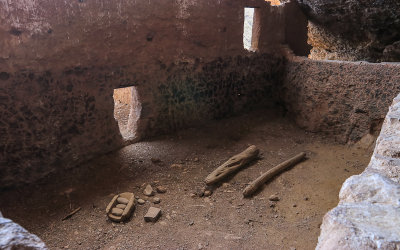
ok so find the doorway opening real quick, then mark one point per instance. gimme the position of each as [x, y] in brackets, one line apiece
[251, 29]
[127, 110]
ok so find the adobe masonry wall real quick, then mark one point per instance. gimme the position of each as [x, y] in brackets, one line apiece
[343, 99]
[61, 60]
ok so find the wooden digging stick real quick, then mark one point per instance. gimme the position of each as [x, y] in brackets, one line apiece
[72, 213]
[234, 163]
[249, 190]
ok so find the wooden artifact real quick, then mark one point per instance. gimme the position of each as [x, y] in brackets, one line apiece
[70, 214]
[233, 164]
[121, 206]
[249, 190]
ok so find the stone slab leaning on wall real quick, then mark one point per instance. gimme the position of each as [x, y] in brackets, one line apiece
[368, 214]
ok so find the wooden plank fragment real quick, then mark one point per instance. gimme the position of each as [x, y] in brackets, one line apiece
[233, 164]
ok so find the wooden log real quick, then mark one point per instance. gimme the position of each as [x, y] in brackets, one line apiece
[249, 190]
[233, 164]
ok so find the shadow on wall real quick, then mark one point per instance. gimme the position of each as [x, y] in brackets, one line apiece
[296, 30]
[127, 110]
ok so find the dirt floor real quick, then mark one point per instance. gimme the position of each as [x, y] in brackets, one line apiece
[225, 220]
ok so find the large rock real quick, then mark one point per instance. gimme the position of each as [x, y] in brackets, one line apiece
[13, 236]
[386, 157]
[368, 214]
[372, 188]
[361, 226]
[354, 29]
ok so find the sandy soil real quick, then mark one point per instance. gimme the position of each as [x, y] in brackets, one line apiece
[225, 220]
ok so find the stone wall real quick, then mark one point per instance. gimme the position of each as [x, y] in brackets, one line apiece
[343, 99]
[61, 60]
[368, 214]
[354, 30]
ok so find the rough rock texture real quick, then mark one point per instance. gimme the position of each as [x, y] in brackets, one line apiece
[13, 236]
[61, 60]
[354, 29]
[343, 99]
[368, 215]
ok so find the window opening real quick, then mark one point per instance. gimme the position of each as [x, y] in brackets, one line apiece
[251, 29]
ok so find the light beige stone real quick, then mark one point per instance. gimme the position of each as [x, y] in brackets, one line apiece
[122, 200]
[121, 206]
[148, 191]
[117, 211]
[152, 214]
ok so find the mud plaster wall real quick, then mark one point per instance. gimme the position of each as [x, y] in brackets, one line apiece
[343, 99]
[61, 60]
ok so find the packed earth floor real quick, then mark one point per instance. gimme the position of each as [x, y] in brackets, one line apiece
[180, 162]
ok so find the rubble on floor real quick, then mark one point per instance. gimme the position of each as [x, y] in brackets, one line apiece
[152, 214]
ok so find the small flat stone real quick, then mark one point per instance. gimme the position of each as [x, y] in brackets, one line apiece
[141, 201]
[274, 197]
[207, 193]
[122, 200]
[148, 191]
[156, 200]
[152, 214]
[117, 211]
[122, 206]
[196, 159]
[176, 166]
[161, 189]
